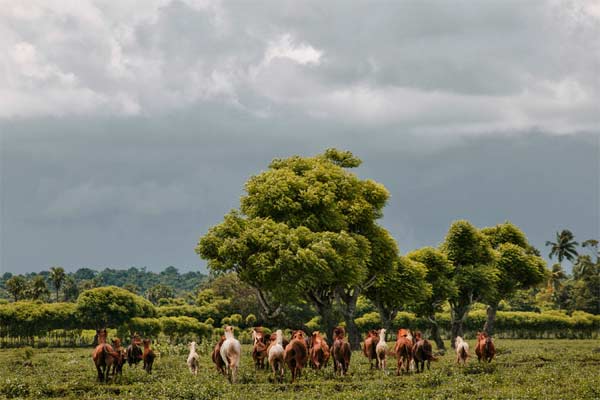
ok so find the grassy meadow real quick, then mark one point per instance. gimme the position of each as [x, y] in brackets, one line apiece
[523, 369]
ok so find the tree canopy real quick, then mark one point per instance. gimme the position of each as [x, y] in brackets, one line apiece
[111, 306]
[305, 229]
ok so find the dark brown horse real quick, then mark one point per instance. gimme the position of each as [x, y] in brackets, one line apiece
[103, 356]
[296, 354]
[148, 356]
[259, 350]
[341, 351]
[369, 347]
[422, 352]
[134, 352]
[485, 347]
[216, 356]
[319, 351]
[403, 350]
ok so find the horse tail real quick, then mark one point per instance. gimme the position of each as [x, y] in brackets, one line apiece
[463, 353]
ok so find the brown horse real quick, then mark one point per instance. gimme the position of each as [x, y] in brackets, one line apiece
[369, 347]
[319, 351]
[403, 350]
[120, 357]
[259, 351]
[422, 352]
[103, 356]
[296, 354]
[216, 356]
[148, 356]
[485, 348]
[341, 351]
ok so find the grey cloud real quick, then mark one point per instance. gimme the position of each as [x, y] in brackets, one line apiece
[494, 67]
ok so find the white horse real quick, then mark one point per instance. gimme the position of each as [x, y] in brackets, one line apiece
[231, 350]
[462, 350]
[381, 349]
[276, 355]
[193, 358]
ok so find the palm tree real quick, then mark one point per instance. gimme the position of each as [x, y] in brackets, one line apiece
[557, 276]
[564, 247]
[57, 276]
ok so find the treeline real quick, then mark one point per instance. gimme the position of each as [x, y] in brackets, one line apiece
[65, 324]
[58, 285]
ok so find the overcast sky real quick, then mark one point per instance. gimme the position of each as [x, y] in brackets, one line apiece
[128, 128]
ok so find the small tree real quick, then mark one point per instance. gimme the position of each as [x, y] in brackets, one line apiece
[111, 306]
[518, 267]
[440, 276]
[37, 288]
[16, 286]
[57, 277]
[404, 286]
[475, 273]
[160, 291]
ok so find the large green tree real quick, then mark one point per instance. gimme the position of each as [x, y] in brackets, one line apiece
[306, 230]
[518, 267]
[439, 274]
[475, 274]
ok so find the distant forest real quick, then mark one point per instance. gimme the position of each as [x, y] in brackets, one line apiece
[136, 280]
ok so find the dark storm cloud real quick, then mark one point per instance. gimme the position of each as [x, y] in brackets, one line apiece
[76, 199]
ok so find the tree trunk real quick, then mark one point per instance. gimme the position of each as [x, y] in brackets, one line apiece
[435, 333]
[491, 319]
[387, 316]
[458, 314]
[328, 321]
[324, 307]
[349, 301]
[353, 334]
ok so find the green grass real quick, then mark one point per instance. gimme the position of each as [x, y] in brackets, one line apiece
[523, 369]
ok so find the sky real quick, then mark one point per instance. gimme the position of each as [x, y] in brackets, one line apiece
[128, 128]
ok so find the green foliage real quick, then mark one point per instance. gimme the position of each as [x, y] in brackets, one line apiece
[402, 287]
[368, 321]
[146, 327]
[111, 306]
[564, 247]
[475, 274]
[439, 275]
[182, 326]
[16, 286]
[158, 292]
[250, 320]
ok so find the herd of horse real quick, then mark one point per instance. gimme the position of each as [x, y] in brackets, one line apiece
[111, 357]
[412, 352]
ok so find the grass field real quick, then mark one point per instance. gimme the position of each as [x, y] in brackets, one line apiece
[523, 369]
